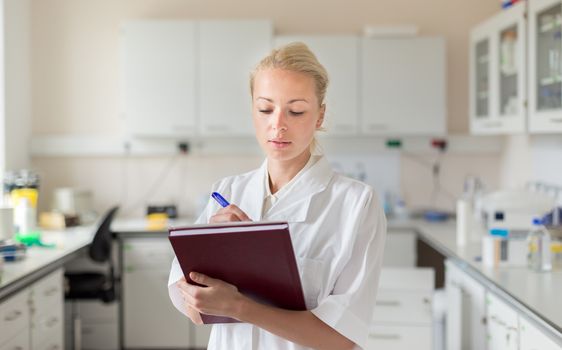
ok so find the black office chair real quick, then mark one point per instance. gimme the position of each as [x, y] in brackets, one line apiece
[90, 285]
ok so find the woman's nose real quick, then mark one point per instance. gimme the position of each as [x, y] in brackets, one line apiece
[278, 120]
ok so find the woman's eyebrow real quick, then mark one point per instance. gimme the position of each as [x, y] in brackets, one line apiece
[298, 100]
[264, 98]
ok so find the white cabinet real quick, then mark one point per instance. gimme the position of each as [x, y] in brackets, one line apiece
[33, 318]
[228, 51]
[146, 266]
[400, 248]
[545, 66]
[339, 54]
[502, 324]
[466, 310]
[14, 320]
[402, 318]
[47, 312]
[158, 70]
[531, 338]
[497, 73]
[403, 86]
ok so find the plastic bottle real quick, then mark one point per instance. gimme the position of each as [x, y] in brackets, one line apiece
[538, 241]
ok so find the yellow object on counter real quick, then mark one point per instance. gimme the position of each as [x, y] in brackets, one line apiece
[157, 221]
[19, 193]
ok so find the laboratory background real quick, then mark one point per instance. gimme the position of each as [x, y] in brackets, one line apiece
[118, 115]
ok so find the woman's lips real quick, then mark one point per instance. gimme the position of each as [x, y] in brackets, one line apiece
[279, 143]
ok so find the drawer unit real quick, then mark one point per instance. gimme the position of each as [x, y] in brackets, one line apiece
[397, 306]
[48, 293]
[399, 337]
[18, 342]
[14, 316]
[502, 325]
[100, 335]
[47, 330]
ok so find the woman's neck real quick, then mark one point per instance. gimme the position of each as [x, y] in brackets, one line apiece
[282, 172]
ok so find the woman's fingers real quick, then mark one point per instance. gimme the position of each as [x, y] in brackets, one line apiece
[229, 214]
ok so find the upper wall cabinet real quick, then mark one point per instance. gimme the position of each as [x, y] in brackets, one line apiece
[340, 56]
[497, 74]
[158, 77]
[228, 51]
[403, 86]
[545, 66]
[182, 78]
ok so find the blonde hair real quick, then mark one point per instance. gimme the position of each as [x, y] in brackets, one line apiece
[297, 57]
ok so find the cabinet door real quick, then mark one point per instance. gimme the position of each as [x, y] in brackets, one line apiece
[474, 313]
[146, 266]
[339, 54]
[400, 249]
[502, 325]
[545, 66]
[403, 86]
[228, 51]
[158, 78]
[453, 290]
[396, 337]
[497, 74]
[14, 316]
[532, 338]
[18, 342]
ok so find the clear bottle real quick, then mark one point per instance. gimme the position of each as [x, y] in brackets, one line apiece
[538, 242]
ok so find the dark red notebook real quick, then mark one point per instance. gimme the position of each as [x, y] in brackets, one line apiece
[256, 257]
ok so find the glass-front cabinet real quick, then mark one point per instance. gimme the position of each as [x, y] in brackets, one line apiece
[497, 74]
[545, 66]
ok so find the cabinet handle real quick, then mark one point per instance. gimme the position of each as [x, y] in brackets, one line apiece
[53, 321]
[50, 291]
[13, 316]
[388, 303]
[385, 336]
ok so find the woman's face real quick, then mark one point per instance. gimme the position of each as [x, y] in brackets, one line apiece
[286, 113]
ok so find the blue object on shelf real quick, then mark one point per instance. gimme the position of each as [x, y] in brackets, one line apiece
[435, 215]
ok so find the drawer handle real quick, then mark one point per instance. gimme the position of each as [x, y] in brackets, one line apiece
[53, 321]
[13, 316]
[51, 291]
[385, 336]
[395, 303]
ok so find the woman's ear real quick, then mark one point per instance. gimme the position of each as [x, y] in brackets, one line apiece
[320, 119]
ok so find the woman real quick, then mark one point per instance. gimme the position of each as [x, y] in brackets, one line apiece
[336, 223]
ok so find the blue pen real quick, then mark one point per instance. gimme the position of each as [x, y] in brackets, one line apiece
[220, 199]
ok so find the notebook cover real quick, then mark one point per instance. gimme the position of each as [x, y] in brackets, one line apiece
[258, 259]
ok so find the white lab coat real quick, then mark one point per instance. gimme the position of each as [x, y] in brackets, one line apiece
[338, 232]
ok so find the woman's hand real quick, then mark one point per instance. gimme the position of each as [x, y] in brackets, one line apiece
[216, 298]
[228, 214]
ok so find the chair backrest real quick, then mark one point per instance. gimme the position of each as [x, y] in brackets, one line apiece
[100, 249]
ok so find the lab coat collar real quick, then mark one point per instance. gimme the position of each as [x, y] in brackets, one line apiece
[293, 205]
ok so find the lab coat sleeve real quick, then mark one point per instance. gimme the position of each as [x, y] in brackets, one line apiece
[175, 272]
[349, 307]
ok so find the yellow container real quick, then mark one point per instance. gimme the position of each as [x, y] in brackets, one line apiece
[19, 193]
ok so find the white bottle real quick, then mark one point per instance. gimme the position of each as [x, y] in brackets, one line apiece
[464, 220]
[538, 241]
[24, 216]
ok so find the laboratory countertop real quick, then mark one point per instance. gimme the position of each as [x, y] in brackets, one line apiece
[533, 293]
[39, 261]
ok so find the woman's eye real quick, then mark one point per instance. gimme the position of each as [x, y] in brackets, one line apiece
[296, 113]
[266, 111]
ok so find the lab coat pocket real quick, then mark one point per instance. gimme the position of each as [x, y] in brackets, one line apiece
[311, 272]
